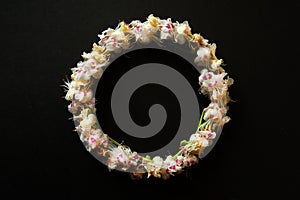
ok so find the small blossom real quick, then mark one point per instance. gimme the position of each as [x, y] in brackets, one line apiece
[76, 84]
[203, 56]
[93, 139]
[197, 138]
[70, 94]
[170, 165]
[143, 32]
[158, 162]
[80, 73]
[200, 40]
[83, 96]
[98, 57]
[214, 113]
[104, 140]
[89, 68]
[215, 64]
[119, 158]
[213, 84]
[183, 30]
[167, 29]
[86, 55]
[88, 122]
[117, 41]
[210, 80]
[207, 134]
[98, 48]
[188, 160]
[114, 40]
[73, 107]
[155, 167]
[154, 21]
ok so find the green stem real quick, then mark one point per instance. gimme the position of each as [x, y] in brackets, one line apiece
[204, 124]
[200, 121]
[149, 160]
[177, 154]
[114, 141]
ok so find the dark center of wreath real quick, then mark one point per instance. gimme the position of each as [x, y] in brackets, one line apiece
[144, 97]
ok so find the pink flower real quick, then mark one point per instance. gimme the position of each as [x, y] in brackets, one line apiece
[114, 40]
[143, 31]
[83, 96]
[207, 134]
[213, 84]
[73, 107]
[167, 29]
[188, 160]
[210, 80]
[120, 157]
[93, 139]
[171, 165]
[214, 113]
[89, 68]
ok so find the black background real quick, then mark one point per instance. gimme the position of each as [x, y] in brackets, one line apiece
[257, 155]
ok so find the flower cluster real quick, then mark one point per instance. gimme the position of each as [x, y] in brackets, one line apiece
[122, 157]
[212, 83]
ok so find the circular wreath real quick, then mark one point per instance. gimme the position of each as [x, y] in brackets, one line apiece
[213, 83]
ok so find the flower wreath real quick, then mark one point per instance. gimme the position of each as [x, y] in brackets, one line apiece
[212, 83]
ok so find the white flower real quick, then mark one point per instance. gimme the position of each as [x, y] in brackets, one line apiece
[88, 122]
[91, 103]
[188, 160]
[214, 113]
[210, 80]
[86, 55]
[93, 139]
[203, 53]
[89, 68]
[199, 39]
[104, 140]
[158, 162]
[216, 64]
[167, 29]
[98, 57]
[134, 157]
[98, 71]
[81, 73]
[155, 167]
[179, 160]
[77, 84]
[170, 165]
[119, 157]
[213, 84]
[73, 107]
[153, 21]
[83, 96]
[197, 138]
[114, 40]
[143, 31]
[207, 134]
[183, 30]
[70, 94]
[203, 56]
